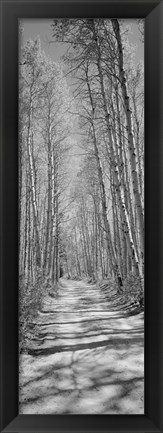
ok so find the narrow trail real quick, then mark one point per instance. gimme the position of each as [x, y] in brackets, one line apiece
[88, 358]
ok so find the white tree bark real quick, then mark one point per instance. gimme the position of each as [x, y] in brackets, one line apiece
[114, 167]
[33, 187]
[131, 143]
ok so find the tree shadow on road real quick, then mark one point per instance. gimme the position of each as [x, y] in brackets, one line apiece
[108, 378]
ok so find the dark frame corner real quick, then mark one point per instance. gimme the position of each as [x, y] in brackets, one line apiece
[152, 11]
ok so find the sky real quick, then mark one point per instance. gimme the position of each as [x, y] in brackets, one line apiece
[32, 28]
[42, 28]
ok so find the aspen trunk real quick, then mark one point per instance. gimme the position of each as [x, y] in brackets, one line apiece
[49, 212]
[86, 252]
[83, 251]
[29, 244]
[20, 187]
[33, 188]
[26, 222]
[53, 216]
[129, 129]
[112, 257]
[77, 254]
[87, 239]
[113, 163]
[138, 144]
[57, 243]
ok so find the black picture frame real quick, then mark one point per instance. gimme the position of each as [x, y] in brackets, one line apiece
[152, 12]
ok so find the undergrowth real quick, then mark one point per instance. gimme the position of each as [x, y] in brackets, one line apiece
[131, 297]
[31, 302]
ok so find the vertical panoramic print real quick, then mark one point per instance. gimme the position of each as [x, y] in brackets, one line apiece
[81, 216]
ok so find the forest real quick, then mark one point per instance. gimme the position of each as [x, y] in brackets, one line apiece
[81, 176]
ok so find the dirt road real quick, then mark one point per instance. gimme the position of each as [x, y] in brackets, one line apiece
[88, 358]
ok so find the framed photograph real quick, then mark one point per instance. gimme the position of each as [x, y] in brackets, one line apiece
[81, 278]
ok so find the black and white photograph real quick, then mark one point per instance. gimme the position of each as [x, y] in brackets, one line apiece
[81, 216]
